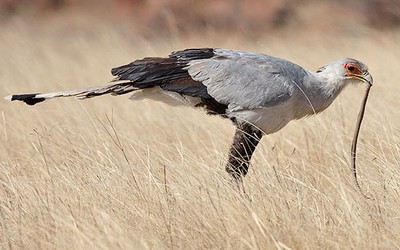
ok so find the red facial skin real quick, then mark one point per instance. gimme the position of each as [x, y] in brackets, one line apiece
[352, 69]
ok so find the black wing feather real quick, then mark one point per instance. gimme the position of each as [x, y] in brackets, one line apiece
[169, 73]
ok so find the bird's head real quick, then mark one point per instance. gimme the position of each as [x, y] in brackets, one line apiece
[348, 70]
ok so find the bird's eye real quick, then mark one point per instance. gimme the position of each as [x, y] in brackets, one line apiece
[351, 68]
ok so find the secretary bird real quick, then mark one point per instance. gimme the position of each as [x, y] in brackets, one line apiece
[259, 93]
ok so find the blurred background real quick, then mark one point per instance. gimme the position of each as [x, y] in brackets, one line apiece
[249, 18]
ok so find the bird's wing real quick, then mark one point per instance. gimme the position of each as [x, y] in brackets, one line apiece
[168, 73]
[246, 79]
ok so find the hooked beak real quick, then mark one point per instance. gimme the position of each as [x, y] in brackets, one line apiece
[366, 77]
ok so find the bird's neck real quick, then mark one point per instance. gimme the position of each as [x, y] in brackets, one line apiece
[322, 89]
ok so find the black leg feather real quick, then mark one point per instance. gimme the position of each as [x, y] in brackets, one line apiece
[244, 144]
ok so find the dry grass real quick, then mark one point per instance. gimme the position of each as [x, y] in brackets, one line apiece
[108, 173]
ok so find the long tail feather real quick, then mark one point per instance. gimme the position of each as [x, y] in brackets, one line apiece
[83, 93]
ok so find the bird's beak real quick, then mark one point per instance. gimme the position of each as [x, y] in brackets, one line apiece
[366, 77]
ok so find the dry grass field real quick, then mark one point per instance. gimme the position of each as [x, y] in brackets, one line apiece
[107, 173]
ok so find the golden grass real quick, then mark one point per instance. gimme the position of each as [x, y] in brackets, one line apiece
[109, 173]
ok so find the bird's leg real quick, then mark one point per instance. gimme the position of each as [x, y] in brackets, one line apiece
[244, 143]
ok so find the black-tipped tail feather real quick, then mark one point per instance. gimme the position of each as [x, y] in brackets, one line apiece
[83, 93]
[29, 99]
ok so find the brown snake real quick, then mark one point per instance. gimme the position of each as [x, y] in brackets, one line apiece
[355, 138]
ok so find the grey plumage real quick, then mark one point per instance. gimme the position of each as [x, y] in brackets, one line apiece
[258, 92]
[233, 77]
